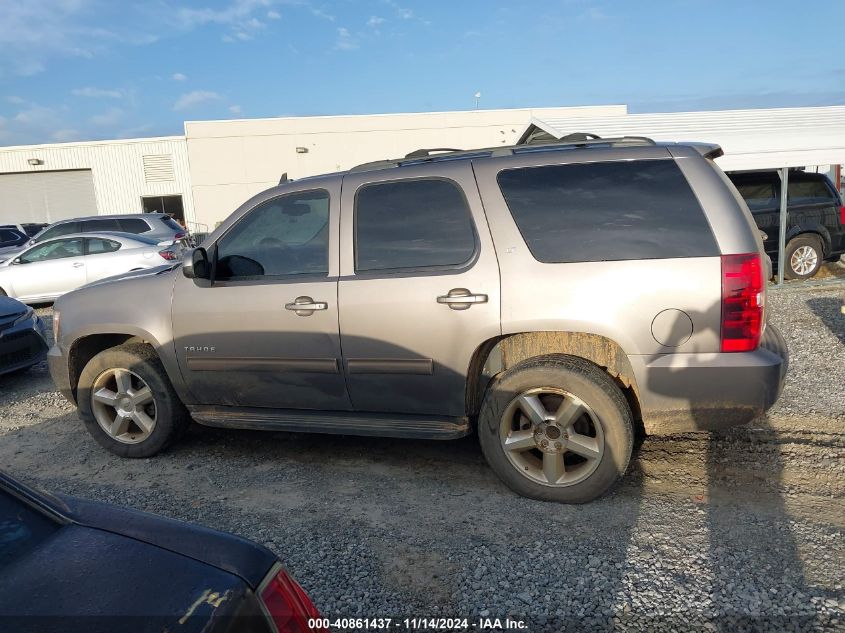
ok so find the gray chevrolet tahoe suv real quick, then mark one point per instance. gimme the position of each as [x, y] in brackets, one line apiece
[552, 299]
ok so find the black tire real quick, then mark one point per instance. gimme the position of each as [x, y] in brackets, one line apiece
[583, 380]
[171, 419]
[803, 241]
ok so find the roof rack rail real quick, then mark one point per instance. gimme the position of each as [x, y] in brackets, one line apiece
[570, 141]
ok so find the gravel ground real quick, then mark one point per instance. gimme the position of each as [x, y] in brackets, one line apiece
[741, 530]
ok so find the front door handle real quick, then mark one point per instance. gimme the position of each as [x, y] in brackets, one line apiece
[78, 264]
[305, 306]
[461, 299]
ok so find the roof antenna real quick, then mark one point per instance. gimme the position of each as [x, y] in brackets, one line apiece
[284, 179]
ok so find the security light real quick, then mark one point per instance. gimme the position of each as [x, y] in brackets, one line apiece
[35, 161]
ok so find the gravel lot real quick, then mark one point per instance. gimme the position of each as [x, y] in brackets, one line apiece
[742, 530]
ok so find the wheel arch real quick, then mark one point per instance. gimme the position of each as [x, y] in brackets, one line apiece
[816, 231]
[501, 353]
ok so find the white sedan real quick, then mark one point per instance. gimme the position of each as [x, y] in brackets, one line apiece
[50, 269]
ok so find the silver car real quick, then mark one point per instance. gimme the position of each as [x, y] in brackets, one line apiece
[551, 300]
[156, 226]
[49, 269]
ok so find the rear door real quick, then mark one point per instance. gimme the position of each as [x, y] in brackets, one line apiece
[813, 204]
[419, 287]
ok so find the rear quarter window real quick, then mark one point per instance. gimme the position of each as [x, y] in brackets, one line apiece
[809, 192]
[133, 225]
[607, 211]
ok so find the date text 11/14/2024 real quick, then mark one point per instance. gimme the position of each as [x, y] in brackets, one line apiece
[418, 624]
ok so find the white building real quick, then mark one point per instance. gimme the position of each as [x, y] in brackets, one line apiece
[218, 165]
[45, 183]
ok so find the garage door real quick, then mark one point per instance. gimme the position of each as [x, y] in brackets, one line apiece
[46, 196]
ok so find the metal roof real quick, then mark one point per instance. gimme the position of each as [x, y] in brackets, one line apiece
[751, 139]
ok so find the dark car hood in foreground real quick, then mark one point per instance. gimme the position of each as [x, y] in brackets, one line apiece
[111, 569]
[9, 307]
[228, 552]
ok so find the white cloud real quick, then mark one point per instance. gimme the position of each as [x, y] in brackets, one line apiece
[194, 98]
[96, 93]
[345, 41]
[235, 109]
[274, 15]
[179, 77]
[16, 100]
[375, 21]
[239, 16]
[66, 134]
[109, 118]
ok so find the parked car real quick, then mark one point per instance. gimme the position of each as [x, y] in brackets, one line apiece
[23, 339]
[815, 230]
[53, 267]
[156, 226]
[72, 565]
[12, 238]
[28, 228]
[551, 298]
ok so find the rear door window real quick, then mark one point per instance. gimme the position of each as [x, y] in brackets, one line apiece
[95, 226]
[758, 196]
[412, 224]
[607, 211]
[133, 225]
[808, 192]
[65, 228]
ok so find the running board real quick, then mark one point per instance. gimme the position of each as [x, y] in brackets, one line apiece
[334, 422]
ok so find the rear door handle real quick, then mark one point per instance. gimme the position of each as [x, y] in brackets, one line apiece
[78, 264]
[461, 299]
[305, 306]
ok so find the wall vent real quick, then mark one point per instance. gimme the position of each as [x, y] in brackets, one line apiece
[158, 168]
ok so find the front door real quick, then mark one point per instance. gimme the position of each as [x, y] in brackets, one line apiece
[49, 269]
[419, 288]
[264, 331]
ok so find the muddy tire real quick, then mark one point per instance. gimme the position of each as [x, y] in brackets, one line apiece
[556, 428]
[127, 403]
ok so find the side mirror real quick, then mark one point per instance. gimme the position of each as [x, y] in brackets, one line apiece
[195, 264]
[16, 260]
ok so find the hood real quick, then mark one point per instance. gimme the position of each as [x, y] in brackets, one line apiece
[233, 554]
[133, 274]
[11, 307]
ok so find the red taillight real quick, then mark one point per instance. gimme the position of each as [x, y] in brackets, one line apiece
[743, 299]
[168, 255]
[179, 236]
[289, 606]
[842, 215]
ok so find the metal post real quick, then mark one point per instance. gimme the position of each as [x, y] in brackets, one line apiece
[784, 187]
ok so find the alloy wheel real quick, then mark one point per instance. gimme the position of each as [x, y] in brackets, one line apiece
[552, 437]
[124, 406]
[804, 260]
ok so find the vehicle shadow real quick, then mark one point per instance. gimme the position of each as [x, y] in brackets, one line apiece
[753, 556]
[829, 311]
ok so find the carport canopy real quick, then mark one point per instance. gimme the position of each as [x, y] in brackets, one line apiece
[751, 139]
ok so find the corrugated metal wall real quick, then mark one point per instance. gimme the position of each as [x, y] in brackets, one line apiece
[117, 168]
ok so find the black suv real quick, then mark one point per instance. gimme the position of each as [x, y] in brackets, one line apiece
[815, 230]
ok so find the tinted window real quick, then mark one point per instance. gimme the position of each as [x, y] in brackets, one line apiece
[21, 529]
[758, 195]
[57, 249]
[94, 226]
[808, 192]
[607, 211]
[60, 229]
[288, 235]
[8, 236]
[133, 225]
[97, 245]
[412, 224]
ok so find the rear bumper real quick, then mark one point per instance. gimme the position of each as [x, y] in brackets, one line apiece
[695, 392]
[23, 345]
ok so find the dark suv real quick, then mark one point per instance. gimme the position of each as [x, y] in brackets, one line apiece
[815, 230]
[550, 298]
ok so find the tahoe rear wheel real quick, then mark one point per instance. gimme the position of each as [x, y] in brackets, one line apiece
[127, 402]
[803, 257]
[556, 428]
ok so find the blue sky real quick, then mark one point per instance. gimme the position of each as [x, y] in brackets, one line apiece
[94, 69]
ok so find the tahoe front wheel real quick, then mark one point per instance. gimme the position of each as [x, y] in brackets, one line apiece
[127, 403]
[556, 428]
